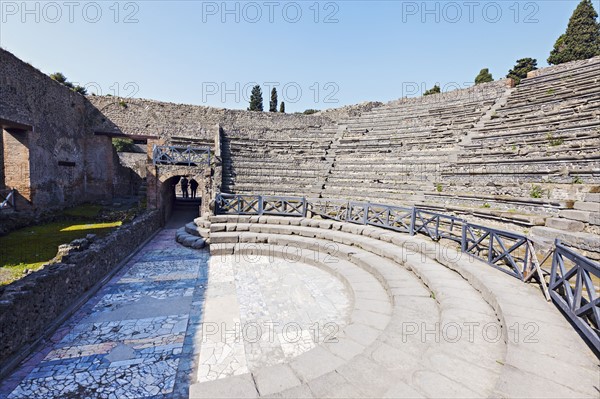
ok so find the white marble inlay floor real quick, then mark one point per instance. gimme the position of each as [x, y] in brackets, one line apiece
[262, 311]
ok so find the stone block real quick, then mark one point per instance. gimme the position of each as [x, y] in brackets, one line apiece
[581, 240]
[217, 227]
[273, 379]
[225, 238]
[565, 224]
[582, 216]
[239, 386]
[199, 244]
[592, 197]
[587, 206]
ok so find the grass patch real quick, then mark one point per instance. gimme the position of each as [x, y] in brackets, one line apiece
[32, 247]
[93, 226]
[554, 141]
[536, 191]
[84, 211]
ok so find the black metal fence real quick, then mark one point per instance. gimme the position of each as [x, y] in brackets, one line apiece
[509, 252]
[180, 155]
[260, 205]
[573, 281]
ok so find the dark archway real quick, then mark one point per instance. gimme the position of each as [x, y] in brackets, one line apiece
[164, 188]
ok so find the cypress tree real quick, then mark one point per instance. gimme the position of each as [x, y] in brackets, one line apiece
[484, 76]
[582, 38]
[520, 70]
[273, 102]
[256, 100]
[282, 107]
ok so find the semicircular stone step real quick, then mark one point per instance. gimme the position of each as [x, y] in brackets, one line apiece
[424, 343]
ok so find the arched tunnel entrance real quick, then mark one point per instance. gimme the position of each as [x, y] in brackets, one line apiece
[170, 191]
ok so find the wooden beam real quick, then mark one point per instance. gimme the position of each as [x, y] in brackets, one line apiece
[127, 136]
[14, 127]
[537, 269]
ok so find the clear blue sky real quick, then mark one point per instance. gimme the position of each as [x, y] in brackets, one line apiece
[350, 52]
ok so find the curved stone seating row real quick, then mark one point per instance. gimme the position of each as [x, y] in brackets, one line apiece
[452, 112]
[529, 133]
[274, 168]
[481, 204]
[379, 124]
[403, 360]
[565, 98]
[295, 159]
[569, 147]
[517, 124]
[188, 237]
[558, 71]
[547, 359]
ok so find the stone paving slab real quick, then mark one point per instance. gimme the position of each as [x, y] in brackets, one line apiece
[128, 340]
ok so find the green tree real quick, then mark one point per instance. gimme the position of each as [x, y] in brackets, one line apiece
[282, 107]
[256, 100]
[123, 145]
[520, 70]
[582, 38]
[80, 89]
[484, 76]
[310, 111]
[61, 78]
[434, 90]
[273, 102]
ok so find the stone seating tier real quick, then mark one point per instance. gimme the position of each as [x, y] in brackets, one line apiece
[415, 280]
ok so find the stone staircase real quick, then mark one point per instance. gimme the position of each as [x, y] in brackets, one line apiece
[195, 234]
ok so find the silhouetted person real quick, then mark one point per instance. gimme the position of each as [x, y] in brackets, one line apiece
[184, 187]
[193, 187]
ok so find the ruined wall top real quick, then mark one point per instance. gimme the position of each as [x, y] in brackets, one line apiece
[170, 120]
[30, 97]
[476, 93]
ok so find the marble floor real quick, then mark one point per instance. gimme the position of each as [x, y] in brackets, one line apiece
[262, 311]
[173, 316]
[129, 340]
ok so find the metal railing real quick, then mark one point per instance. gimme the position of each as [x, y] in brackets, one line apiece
[504, 250]
[8, 201]
[180, 155]
[437, 225]
[260, 205]
[572, 289]
[509, 252]
[386, 216]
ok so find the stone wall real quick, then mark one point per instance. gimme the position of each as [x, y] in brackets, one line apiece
[134, 161]
[170, 121]
[28, 306]
[59, 162]
[126, 179]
